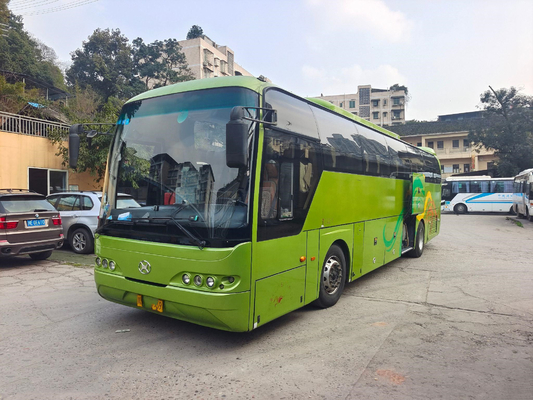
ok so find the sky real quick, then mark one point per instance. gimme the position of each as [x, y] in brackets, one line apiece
[446, 52]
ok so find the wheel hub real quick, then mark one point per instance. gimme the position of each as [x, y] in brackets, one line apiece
[332, 275]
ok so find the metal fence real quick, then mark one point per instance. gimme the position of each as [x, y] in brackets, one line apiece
[28, 126]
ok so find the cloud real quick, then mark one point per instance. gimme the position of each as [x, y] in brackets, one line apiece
[346, 80]
[372, 16]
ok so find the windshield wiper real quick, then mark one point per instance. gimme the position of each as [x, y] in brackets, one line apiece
[192, 238]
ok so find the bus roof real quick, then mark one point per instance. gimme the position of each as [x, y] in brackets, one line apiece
[249, 82]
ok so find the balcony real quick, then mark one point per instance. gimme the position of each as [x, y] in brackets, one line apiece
[14, 123]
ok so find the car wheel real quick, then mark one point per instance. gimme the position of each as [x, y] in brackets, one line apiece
[81, 241]
[332, 279]
[41, 256]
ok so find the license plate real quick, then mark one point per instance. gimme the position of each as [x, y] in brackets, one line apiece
[32, 223]
[156, 307]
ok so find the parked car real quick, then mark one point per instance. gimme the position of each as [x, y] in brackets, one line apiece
[28, 225]
[79, 213]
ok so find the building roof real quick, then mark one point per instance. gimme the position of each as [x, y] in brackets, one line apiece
[440, 127]
[54, 93]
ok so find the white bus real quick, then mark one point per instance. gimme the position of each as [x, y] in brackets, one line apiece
[523, 196]
[461, 194]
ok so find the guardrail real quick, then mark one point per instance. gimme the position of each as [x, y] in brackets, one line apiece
[14, 123]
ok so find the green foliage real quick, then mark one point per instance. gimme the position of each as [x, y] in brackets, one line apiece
[510, 131]
[399, 87]
[105, 63]
[14, 96]
[113, 67]
[160, 63]
[20, 53]
[87, 107]
[195, 32]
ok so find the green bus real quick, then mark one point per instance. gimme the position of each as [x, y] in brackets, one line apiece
[254, 202]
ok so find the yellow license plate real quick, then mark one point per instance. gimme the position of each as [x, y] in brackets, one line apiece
[158, 307]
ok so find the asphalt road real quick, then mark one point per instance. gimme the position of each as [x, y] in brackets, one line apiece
[454, 324]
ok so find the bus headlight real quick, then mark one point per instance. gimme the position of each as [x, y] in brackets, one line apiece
[198, 280]
[104, 263]
[186, 279]
[98, 261]
[210, 281]
[112, 265]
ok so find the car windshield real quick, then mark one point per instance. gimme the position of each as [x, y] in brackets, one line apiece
[22, 204]
[169, 156]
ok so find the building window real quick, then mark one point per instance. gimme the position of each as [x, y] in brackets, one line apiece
[466, 143]
[440, 144]
[47, 181]
[384, 102]
[396, 114]
[430, 145]
[341, 104]
[375, 103]
[466, 167]
[396, 101]
[352, 103]
[375, 115]
[455, 144]
[456, 168]
[384, 115]
[419, 144]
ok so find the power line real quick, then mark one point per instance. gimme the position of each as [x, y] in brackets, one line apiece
[41, 3]
[73, 4]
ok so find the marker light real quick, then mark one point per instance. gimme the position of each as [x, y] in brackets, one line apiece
[198, 280]
[104, 263]
[186, 279]
[112, 265]
[210, 281]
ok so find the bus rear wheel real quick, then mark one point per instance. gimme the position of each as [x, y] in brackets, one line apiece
[419, 241]
[460, 209]
[332, 278]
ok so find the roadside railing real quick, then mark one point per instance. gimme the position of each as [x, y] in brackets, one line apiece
[14, 123]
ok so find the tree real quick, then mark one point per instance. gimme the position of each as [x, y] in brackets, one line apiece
[195, 32]
[20, 53]
[509, 132]
[105, 63]
[160, 63]
[396, 87]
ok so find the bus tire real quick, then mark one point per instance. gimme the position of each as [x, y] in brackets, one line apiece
[419, 241]
[460, 209]
[511, 211]
[332, 278]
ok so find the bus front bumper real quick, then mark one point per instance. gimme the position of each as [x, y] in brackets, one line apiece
[226, 311]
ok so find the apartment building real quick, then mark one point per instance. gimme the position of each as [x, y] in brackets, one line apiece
[380, 106]
[448, 136]
[207, 59]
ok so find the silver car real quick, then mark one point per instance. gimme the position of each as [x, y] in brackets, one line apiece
[79, 213]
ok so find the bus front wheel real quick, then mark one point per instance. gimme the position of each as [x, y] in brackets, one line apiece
[332, 278]
[419, 241]
[460, 209]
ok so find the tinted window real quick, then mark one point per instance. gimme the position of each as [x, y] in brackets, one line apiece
[87, 203]
[68, 203]
[289, 176]
[294, 115]
[20, 204]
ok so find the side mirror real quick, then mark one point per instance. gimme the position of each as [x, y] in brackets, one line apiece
[237, 139]
[74, 144]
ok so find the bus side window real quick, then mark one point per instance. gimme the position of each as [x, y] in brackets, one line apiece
[286, 191]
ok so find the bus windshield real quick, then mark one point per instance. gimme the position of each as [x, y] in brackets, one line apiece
[169, 155]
